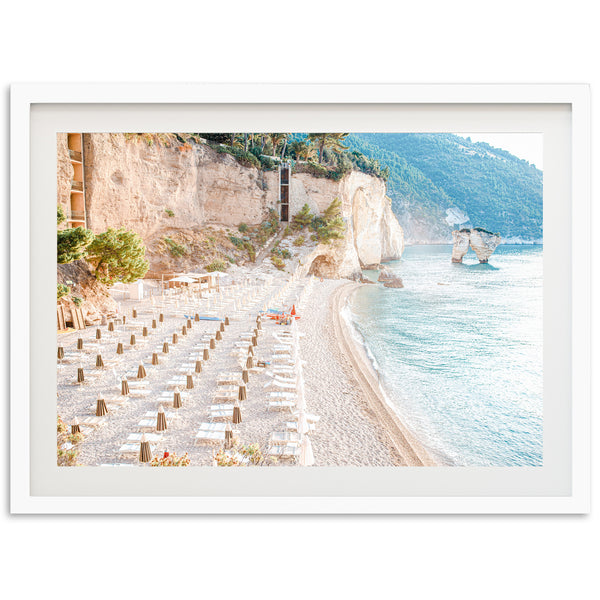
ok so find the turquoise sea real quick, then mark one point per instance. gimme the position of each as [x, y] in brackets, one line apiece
[459, 351]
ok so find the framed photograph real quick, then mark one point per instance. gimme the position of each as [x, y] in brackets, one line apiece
[254, 316]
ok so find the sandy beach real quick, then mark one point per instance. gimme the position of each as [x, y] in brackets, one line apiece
[356, 427]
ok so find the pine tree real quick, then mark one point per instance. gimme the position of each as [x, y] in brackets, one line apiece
[118, 255]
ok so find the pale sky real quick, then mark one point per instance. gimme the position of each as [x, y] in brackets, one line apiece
[528, 146]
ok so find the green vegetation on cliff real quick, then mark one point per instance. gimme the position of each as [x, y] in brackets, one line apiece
[430, 172]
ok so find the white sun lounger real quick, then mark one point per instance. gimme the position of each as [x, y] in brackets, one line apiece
[133, 448]
[226, 396]
[293, 426]
[281, 405]
[279, 384]
[219, 415]
[287, 451]
[309, 417]
[212, 426]
[94, 421]
[150, 437]
[279, 438]
[204, 436]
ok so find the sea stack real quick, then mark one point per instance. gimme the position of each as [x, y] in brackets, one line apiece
[483, 243]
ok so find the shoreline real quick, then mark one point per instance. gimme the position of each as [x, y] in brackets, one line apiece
[404, 446]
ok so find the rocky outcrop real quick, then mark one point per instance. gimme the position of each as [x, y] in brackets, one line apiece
[389, 279]
[483, 243]
[97, 302]
[461, 244]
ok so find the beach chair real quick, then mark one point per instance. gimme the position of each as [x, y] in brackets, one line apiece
[133, 449]
[205, 436]
[279, 438]
[150, 437]
[94, 422]
[281, 385]
[281, 405]
[293, 426]
[310, 418]
[221, 415]
[286, 452]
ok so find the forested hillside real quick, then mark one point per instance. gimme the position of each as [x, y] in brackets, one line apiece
[429, 173]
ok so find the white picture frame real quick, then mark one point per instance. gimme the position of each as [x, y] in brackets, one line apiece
[113, 103]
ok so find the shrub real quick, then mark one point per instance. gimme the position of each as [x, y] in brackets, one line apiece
[299, 241]
[119, 255]
[303, 218]
[176, 250]
[287, 231]
[251, 251]
[242, 227]
[77, 301]
[236, 241]
[60, 215]
[277, 262]
[169, 212]
[285, 253]
[246, 159]
[72, 244]
[62, 290]
[266, 163]
[216, 265]
[313, 169]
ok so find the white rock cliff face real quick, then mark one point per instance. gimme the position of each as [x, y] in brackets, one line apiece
[132, 184]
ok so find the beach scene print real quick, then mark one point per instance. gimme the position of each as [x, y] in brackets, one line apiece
[299, 299]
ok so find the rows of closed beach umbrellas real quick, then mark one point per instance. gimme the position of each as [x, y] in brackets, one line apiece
[158, 352]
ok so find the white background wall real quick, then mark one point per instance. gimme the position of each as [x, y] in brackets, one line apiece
[314, 41]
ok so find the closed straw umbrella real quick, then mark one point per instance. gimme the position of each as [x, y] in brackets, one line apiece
[79, 343]
[249, 362]
[254, 341]
[245, 375]
[226, 320]
[222, 327]
[307, 458]
[124, 319]
[75, 428]
[175, 339]
[212, 344]
[145, 331]
[196, 317]
[228, 435]
[111, 326]
[177, 398]
[237, 412]
[161, 419]
[99, 361]
[165, 348]
[145, 451]
[189, 323]
[132, 340]
[60, 353]
[120, 348]
[124, 387]
[198, 366]
[98, 334]
[161, 318]
[184, 330]
[80, 375]
[134, 313]
[258, 325]
[242, 393]
[205, 354]
[250, 350]
[101, 408]
[218, 335]
[189, 381]
[153, 323]
[154, 358]
[141, 372]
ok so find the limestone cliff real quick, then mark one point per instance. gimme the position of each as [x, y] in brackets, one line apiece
[482, 242]
[159, 186]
